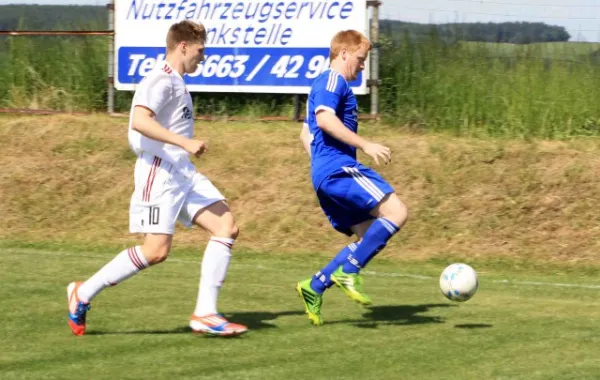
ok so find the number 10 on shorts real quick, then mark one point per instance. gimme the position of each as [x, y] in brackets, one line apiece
[153, 219]
[153, 216]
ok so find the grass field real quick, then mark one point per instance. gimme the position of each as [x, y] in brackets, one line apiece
[522, 213]
[520, 325]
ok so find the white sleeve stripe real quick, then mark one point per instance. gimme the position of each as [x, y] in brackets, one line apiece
[324, 108]
[329, 81]
[333, 79]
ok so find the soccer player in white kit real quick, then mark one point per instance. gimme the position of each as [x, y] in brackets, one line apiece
[168, 188]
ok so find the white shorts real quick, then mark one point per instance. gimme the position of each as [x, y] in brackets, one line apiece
[163, 195]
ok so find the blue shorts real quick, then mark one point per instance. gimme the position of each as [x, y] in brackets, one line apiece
[348, 195]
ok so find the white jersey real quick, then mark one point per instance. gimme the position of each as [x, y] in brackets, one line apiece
[163, 91]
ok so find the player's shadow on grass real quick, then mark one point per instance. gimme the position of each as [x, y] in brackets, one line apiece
[372, 318]
[396, 315]
[257, 320]
[178, 330]
[254, 320]
[473, 326]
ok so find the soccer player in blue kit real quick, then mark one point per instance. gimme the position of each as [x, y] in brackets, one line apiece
[356, 199]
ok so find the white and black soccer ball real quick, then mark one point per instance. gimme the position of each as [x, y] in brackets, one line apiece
[458, 282]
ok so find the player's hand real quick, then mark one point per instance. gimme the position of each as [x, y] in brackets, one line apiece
[377, 152]
[196, 147]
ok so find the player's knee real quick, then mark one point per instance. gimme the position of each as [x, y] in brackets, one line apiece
[157, 254]
[161, 256]
[402, 214]
[398, 213]
[233, 231]
[230, 231]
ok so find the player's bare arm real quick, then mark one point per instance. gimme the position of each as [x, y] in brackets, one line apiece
[333, 126]
[306, 138]
[144, 122]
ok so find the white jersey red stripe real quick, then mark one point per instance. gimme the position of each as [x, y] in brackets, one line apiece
[148, 188]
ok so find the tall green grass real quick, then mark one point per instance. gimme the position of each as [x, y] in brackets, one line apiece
[479, 89]
[490, 89]
[61, 73]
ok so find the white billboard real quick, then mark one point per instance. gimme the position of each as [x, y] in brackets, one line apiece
[252, 46]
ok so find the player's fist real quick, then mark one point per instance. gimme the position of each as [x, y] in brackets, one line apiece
[377, 152]
[196, 147]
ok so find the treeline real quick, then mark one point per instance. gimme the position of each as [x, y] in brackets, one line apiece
[53, 17]
[507, 32]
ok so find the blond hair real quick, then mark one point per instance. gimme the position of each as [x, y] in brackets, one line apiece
[185, 31]
[351, 40]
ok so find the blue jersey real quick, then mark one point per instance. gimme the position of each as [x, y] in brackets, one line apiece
[330, 92]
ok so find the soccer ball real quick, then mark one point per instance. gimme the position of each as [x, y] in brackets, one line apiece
[458, 282]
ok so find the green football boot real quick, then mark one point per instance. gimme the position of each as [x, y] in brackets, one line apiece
[351, 284]
[312, 301]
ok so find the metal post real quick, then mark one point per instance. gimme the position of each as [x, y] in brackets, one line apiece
[297, 107]
[374, 36]
[111, 40]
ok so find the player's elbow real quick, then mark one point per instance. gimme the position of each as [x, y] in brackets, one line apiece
[141, 117]
[139, 127]
[303, 135]
[135, 125]
[323, 120]
[138, 123]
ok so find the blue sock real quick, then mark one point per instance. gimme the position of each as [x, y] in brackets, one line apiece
[374, 240]
[322, 280]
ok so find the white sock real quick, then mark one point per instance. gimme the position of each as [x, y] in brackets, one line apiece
[124, 265]
[212, 274]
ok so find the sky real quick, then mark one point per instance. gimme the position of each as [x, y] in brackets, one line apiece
[581, 18]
